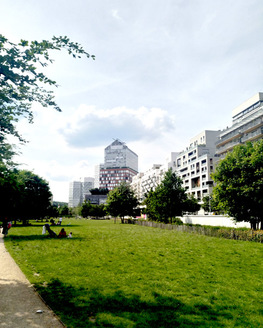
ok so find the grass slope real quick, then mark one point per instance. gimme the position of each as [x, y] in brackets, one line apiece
[113, 275]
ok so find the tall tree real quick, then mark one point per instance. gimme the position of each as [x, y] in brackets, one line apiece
[191, 204]
[34, 196]
[239, 183]
[22, 81]
[122, 201]
[86, 209]
[168, 200]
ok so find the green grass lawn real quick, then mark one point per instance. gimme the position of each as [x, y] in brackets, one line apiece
[114, 275]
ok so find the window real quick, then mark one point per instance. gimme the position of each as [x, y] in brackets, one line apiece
[179, 162]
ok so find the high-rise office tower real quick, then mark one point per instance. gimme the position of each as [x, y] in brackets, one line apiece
[120, 164]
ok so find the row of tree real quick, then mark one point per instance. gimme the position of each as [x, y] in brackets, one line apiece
[163, 204]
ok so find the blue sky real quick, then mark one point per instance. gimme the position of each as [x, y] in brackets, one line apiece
[164, 72]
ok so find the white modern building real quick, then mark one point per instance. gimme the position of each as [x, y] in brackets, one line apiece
[195, 164]
[144, 182]
[78, 191]
[247, 125]
[75, 193]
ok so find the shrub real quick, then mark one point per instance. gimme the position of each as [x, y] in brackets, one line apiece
[177, 221]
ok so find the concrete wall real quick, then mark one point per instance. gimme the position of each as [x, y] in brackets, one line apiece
[214, 220]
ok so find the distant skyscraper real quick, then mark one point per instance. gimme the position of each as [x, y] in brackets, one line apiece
[78, 190]
[75, 193]
[120, 164]
[87, 185]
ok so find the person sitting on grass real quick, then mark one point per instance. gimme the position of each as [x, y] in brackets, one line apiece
[52, 222]
[52, 234]
[5, 227]
[70, 235]
[62, 233]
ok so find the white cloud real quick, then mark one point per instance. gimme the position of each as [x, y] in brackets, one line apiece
[91, 127]
[115, 14]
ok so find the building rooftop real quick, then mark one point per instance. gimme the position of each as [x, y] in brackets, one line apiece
[256, 99]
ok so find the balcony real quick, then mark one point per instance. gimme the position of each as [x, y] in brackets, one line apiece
[229, 137]
[252, 136]
[250, 122]
[228, 146]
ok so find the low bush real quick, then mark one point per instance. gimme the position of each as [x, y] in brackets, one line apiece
[177, 221]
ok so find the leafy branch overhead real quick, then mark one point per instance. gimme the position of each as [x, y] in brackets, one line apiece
[21, 79]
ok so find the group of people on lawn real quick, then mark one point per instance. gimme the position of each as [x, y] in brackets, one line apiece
[52, 234]
[54, 223]
[6, 225]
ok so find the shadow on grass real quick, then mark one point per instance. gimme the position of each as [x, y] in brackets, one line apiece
[38, 237]
[40, 224]
[91, 308]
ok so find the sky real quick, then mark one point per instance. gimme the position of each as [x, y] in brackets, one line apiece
[164, 72]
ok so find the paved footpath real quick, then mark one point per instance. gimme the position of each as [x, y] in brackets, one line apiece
[19, 302]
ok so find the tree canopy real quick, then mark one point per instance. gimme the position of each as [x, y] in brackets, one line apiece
[22, 81]
[99, 191]
[88, 209]
[169, 199]
[122, 201]
[34, 196]
[210, 204]
[9, 190]
[24, 195]
[239, 183]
